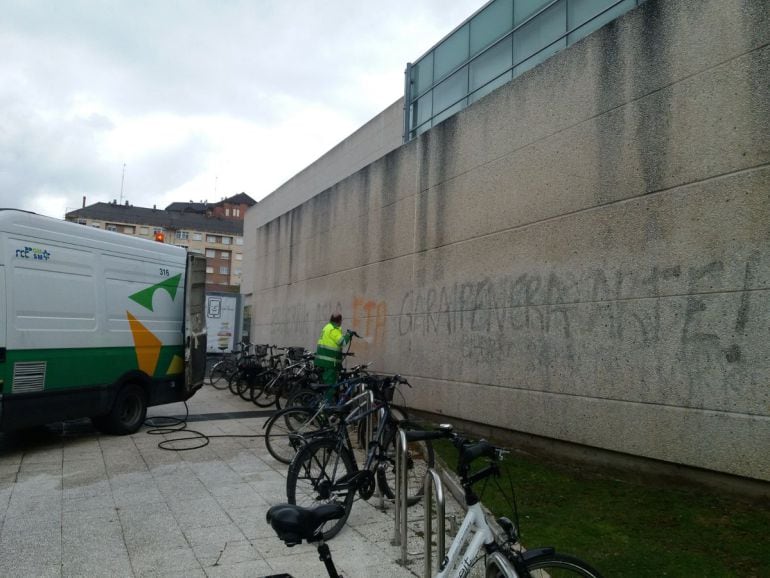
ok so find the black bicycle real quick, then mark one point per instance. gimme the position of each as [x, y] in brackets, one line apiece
[325, 469]
[221, 373]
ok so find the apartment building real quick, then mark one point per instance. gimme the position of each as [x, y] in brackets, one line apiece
[212, 229]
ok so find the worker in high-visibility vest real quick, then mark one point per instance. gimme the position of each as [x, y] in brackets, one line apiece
[328, 354]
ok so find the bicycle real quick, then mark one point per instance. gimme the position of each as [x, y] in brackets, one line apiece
[286, 429]
[254, 371]
[310, 392]
[221, 373]
[281, 381]
[502, 558]
[325, 468]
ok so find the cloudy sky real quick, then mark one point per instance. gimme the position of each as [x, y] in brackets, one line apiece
[199, 99]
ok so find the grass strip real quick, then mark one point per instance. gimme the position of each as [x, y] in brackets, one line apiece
[629, 529]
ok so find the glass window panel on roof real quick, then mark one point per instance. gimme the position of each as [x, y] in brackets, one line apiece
[451, 53]
[450, 92]
[421, 129]
[541, 56]
[422, 75]
[583, 16]
[523, 9]
[422, 110]
[489, 87]
[450, 111]
[541, 34]
[491, 64]
[490, 24]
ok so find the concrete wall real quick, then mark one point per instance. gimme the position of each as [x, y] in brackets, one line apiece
[582, 255]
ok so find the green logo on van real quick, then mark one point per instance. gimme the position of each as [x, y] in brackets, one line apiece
[144, 297]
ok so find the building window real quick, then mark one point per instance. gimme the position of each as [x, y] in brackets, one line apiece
[96, 225]
[237, 272]
[197, 237]
[82, 221]
[211, 253]
[227, 211]
[227, 240]
[209, 269]
[129, 230]
[498, 43]
[224, 270]
[182, 235]
[224, 255]
[236, 212]
[111, 227]
[144, 231]
[197, 251]
[211, 239]
[239, 256]
[239, 240]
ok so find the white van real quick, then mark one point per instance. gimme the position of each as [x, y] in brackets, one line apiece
[95, 324]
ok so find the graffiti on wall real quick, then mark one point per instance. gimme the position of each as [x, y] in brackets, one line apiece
[369, 319]
[669, 325]
[683, 327]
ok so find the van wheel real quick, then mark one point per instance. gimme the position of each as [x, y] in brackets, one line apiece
[127, 414]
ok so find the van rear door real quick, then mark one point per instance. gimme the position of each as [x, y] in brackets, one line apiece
[195, 323]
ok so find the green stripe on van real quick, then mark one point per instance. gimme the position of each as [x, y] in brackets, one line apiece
[67, 368]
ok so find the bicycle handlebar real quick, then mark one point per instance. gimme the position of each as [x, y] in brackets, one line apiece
[469, 451]
[418, 436]
[401, 380]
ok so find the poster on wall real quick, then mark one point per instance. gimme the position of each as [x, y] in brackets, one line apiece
[221, 322]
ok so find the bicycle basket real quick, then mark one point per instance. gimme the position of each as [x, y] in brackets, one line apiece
[295, 353]
[260, 350]
[383, 387]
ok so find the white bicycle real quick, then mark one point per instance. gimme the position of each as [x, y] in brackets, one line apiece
[475, 540]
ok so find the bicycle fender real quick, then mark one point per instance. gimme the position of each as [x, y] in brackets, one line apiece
[537, 553]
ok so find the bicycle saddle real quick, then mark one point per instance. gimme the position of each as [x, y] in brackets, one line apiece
[295, 523]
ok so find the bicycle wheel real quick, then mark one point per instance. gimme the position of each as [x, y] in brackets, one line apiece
[218, 374]
[265, 392]
[284, 430]
[419, 458]
[551, 564]
[304, 398]
[232, 384]
[320, 474]
[240, 385]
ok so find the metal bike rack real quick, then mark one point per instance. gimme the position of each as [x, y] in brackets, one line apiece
[432, 480]
[400, 489]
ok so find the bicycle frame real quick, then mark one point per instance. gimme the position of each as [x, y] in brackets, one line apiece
[360, 400]
[476, 529]
[363, 407]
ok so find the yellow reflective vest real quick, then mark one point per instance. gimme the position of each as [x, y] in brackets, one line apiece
[329, 350]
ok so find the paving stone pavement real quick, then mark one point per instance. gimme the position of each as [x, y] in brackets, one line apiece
[74, 502]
